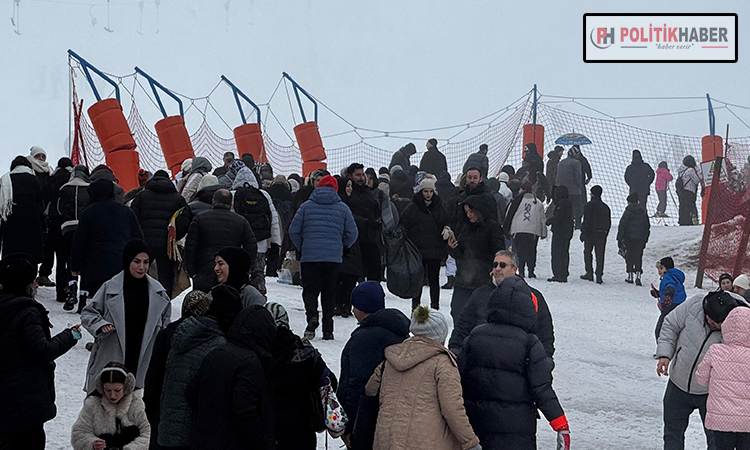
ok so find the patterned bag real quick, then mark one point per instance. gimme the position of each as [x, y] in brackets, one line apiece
[335, 415]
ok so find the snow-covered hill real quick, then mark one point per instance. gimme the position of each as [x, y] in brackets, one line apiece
[605, 375]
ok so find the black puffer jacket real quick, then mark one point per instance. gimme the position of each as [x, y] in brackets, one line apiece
[362, 202]
[634, 224]
[27, 372]
[597, 219]
[639, 176]
[232, 395]
[210, 231]
[433, 161]
[505, 373]
[201, 202]
[56, 181]
[154, 207]
[475, 313]
[424, 225]
[364, 351]
[477, 244]
[296, 371]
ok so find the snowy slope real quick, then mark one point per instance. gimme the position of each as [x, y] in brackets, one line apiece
[605, 375]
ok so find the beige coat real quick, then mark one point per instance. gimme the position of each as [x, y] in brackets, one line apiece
[421, 405]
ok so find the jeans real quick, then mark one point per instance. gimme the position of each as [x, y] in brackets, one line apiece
[688, 210]
[319, 278]
[432, 269]
[678, 406]
[598, 244]
[32, 439]
[730, 441]
[525, 246]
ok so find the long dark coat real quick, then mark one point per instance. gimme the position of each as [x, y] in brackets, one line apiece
[23, 231]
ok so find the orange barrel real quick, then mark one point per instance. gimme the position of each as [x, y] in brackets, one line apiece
[309, 167]
[110, 125]
[249, 139]
[309, 142]
[712, 146]
[125, 165]
[174, 140]
[534, 135]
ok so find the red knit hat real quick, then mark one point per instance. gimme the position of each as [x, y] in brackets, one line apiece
[329, 181]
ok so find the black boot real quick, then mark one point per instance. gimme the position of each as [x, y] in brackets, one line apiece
[638, 279]
[587, 276]
[82, 298]
[71, 297]
[449, 284]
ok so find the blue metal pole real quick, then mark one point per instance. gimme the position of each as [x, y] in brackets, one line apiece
[237, 94]
[711, 117]
[85, 65]
[154, 84]
[299, 88]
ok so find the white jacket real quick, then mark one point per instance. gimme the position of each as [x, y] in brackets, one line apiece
[529, 217]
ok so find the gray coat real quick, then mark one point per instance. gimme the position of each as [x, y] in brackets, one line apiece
[569, 175]
[108, 308]
[685, 338]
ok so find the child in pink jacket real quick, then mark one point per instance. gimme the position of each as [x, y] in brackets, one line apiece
[663, 177]
[726, 371]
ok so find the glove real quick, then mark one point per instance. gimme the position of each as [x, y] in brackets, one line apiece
[563, 438]
[76, 333]
[447, 233]
[654, 292]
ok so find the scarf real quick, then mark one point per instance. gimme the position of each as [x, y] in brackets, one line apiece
[40, 166]
[6, 191]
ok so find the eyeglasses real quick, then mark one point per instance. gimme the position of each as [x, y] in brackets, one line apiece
[501, 264]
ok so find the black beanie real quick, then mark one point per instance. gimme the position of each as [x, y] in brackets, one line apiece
[225, 305]
[132, 249]
[64, 162]
[717, 305]
[667, 262]
[239, 262]
[725, 276]
[432, 142]
[17, 272]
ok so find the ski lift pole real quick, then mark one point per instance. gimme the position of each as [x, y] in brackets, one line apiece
[534, 110]
[237, 94]
[86, 66]
[297, 90]
[711, 117]
[155, 84]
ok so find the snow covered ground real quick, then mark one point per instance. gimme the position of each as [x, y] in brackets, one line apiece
[605, 375]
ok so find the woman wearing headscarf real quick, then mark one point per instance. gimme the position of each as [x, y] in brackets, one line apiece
[27, 352]
[125, 315]
[233, 269]
[21, 210]
[199, 167]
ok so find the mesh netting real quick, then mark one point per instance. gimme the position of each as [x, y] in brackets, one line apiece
[725, 240]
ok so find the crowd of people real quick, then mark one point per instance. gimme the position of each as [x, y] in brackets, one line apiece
[230, 372]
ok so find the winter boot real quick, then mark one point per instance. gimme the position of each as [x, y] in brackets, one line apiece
[82, 298]
[638, 279]
[44, 281]
[629, 279]
[599, 279]
[312, 324]
[587, 276]
[532, 274]
[72, 296]
[449, 284]
[327, 336]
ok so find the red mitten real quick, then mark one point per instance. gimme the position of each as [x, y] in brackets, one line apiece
[563, 432]
[654, 292]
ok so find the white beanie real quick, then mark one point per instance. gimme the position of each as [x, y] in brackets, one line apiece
[429, 323]
[37, 150]
[742, 281]
[187, 165]
[293, 185]
[427, 183]
[208, 180]
[503, 177]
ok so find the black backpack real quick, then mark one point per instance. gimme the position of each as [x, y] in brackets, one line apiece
[250, 203]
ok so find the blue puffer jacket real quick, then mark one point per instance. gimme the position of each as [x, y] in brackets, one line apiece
[675, 279]
[323, 226]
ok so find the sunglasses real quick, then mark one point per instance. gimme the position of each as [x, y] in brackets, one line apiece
[501, 264]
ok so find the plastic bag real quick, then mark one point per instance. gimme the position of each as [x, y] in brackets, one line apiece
[405, 272]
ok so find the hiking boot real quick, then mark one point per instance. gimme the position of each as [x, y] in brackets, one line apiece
[327, 336]
[532, 274]
[312, 324]
[44, 281]
[587, 276]
[599, 280]
[449, 284]
[72, 296]
[638, 279]
[629, 279]
[82, 298]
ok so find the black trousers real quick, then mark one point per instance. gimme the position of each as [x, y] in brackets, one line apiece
[678, 406]
[634, 255]
[560, 255]
[62, 270]
[525, 246]
[31, 439]
[432, 269]
[662, 206]
[273, 260]
[51, 244]
[165, 268]
[597, 244]
[345, 284]
[687, 207]
[319, 278]
[371, 264]
[730, 441]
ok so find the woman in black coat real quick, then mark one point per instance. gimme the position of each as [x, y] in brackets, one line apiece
[632, 234]
[506, 374]
[350, 270]
[424, 219]
[562, 233]
[21, 210]
[27, 352]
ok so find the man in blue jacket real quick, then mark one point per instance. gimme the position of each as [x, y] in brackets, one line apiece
[321, 228]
